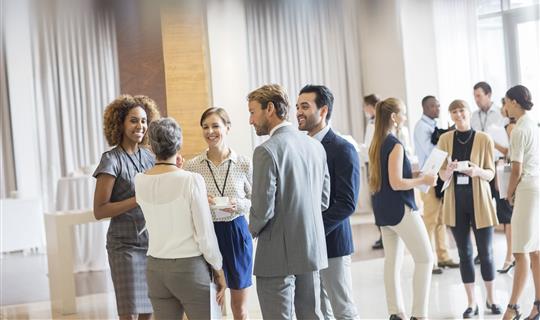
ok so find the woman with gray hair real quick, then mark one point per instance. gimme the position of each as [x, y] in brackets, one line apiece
[182, 242]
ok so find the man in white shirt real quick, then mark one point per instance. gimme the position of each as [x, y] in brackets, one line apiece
[432, 204]
[488, 113]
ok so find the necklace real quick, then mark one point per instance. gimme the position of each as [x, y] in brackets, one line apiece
[166, 164]
[466, 140]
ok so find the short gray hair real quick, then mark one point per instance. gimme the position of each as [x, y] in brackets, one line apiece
[165, 137]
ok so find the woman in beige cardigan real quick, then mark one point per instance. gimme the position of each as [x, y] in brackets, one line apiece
[468, 202]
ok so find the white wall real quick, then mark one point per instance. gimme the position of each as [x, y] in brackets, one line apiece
[229, 68]
[21, 78]
[383, 70]
[399, 52]
[419, 55]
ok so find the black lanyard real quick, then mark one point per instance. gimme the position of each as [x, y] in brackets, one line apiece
[133, 162]
[221, 192]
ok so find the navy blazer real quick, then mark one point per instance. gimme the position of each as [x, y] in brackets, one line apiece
[344, 168]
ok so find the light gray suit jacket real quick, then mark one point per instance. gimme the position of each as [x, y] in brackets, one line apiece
[291, 188]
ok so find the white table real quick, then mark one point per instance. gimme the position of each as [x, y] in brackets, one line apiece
[75, 240]
[60, 248]
[89, 253]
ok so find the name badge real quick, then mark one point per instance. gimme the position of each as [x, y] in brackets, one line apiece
[462, 179]
[221, 214]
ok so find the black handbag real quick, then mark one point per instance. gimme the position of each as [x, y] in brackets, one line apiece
[434, 140]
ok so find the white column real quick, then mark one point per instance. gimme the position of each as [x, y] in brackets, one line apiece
[21, 93]
[229, 68]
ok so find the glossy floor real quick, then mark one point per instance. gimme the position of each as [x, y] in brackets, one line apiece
[447, 297]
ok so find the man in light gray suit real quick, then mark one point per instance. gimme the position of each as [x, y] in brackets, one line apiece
[291, 188]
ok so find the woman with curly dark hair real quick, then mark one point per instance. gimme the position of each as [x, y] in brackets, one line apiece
[125, 123]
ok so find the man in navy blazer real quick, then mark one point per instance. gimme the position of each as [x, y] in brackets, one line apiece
[313, 111]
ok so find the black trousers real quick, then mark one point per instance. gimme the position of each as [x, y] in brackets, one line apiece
[462, 234]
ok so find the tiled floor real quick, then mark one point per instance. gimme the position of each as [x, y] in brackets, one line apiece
[24, 279]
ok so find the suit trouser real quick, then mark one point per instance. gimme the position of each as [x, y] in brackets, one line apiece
[435, 228]
[336, 290]
[412, 232]
[180, 285]
[280, 296]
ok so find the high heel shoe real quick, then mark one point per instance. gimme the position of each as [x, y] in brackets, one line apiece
[507, 266]
[537, 315]
[515, 309]
[469, 312]
[495, 309]
[395, 317]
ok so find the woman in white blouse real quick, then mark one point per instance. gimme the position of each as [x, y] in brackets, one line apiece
[182, 242]
[228, 179]
[524, 194]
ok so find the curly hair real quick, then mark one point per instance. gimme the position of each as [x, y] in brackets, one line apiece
[116, 112]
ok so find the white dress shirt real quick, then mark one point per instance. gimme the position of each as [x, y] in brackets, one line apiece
[283, 124]
[422, 138]
[481, 121]
[177, 216]
[321, 134]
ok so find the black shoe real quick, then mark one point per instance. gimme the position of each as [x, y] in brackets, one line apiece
[436, 270]
[495, 309]
[477, 260]
[515, 310]
[506, 267]
[469, 312]
[377, 245]
[537, 315]
[395, 317]
[448, 264]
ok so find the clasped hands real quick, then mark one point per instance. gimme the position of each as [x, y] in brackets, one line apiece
[231, 210]
[472, 171]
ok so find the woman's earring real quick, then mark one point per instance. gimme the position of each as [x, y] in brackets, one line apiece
[395, 124]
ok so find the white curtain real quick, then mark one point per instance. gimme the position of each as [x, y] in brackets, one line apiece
[76, 75]
[458, 66]
[294, 43]
[7, 164]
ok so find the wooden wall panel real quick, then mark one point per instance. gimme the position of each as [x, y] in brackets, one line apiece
[187, 74]
[140, 50]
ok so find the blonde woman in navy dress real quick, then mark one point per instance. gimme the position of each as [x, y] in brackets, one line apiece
[228, 174]
[125, 123]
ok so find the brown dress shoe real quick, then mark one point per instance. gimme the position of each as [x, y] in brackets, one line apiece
[448, 264]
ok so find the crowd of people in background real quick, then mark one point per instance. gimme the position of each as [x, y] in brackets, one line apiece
[182, 231]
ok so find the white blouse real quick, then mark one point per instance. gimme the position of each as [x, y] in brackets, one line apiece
[237, 186]
[177, 216]
[525, 145]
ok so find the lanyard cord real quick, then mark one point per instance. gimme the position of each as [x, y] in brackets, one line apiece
[133, 162]
[222, 191]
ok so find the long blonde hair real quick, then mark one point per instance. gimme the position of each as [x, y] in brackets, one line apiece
[383, 123]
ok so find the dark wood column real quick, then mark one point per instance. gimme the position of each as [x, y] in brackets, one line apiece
[140, 49]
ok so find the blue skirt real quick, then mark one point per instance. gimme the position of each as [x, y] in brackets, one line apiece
[236, 248]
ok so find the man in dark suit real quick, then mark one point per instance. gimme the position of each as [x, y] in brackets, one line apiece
[313, 111]
[291, 189]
